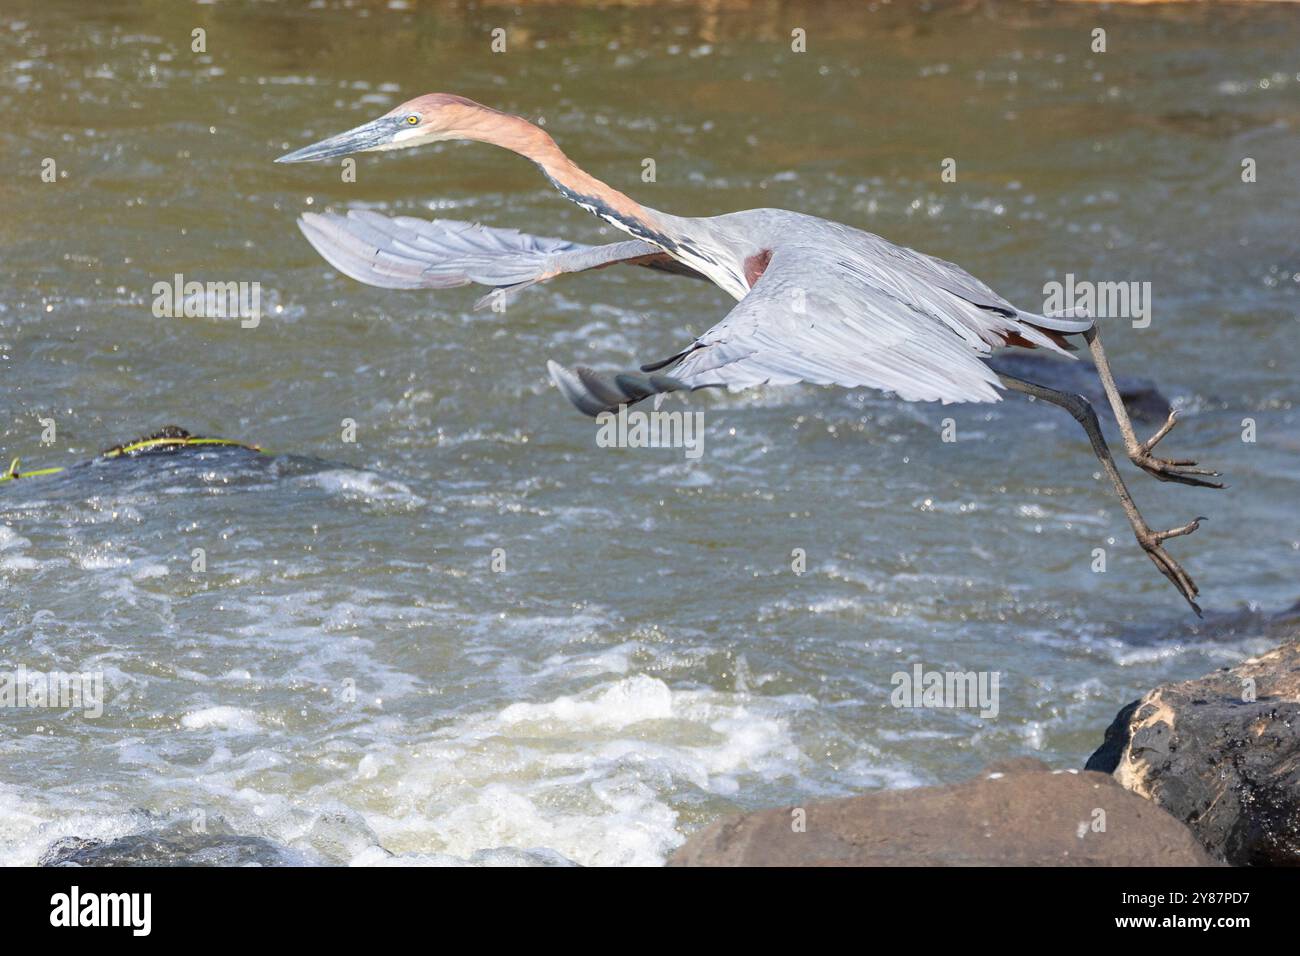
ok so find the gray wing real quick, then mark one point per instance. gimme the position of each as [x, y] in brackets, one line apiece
[918, 267]
[825, 317]
[409, 253]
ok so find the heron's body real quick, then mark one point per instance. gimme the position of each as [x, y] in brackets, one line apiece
[817, 301]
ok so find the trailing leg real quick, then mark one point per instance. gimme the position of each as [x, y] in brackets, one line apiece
[1152, 542]
[1166, 469]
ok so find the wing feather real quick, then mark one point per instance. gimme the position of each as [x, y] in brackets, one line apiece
[403, 252]
[818, 319]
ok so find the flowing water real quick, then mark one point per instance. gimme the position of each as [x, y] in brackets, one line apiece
[473, 634]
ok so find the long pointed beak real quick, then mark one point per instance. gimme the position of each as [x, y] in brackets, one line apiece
[370, 135]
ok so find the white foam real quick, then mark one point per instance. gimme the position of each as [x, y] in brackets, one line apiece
[12, 541]
[9, 538]
[224, 718]
[627, 702]
[144, 570]
[363, 486]
[591, 777]
[96, 561]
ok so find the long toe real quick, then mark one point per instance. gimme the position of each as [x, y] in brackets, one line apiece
[1172, 570]
[1182, 472]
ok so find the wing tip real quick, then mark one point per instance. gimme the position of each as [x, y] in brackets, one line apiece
[593, 395]
[572, 388]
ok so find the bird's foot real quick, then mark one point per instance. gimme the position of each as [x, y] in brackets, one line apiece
[1153, 544]
[1182, 470]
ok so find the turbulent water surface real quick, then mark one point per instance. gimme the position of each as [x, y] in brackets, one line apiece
[472, 634]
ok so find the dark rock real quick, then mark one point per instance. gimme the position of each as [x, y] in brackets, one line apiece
[174, 847]
[1018, 818]
[1222, 762]
[1251, 630]
[1107, 757]
[1141, 396]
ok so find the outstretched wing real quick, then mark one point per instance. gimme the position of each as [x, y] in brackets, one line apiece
[914, 269]
[409, 253]
[821, 315]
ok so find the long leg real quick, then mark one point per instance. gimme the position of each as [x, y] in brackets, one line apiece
[1151, 541]
[1182, 470]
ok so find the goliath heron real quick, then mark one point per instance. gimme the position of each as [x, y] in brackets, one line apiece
[819, 302]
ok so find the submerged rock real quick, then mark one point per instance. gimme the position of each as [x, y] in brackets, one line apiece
[1221, 753]
[173, 848]
[515, 856]
[1142, 398]
[1018, 816]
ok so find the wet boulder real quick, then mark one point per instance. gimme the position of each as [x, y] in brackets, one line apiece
[1012, 815]
[1222, 754]
[173, 847]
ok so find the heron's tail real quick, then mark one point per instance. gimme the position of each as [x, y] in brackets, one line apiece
[591, 394]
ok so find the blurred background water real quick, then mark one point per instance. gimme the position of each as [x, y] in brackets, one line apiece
[349, 678]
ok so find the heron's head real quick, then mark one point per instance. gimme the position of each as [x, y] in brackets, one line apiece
[425, 119]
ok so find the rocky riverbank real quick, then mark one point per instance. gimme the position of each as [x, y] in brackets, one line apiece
[1222, 755]
[1202, 772]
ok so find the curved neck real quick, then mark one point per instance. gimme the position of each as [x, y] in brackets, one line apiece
[532, 142]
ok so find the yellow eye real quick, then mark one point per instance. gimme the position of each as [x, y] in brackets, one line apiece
[412, 119]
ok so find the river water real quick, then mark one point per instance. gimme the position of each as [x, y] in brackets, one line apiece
[471, 633]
